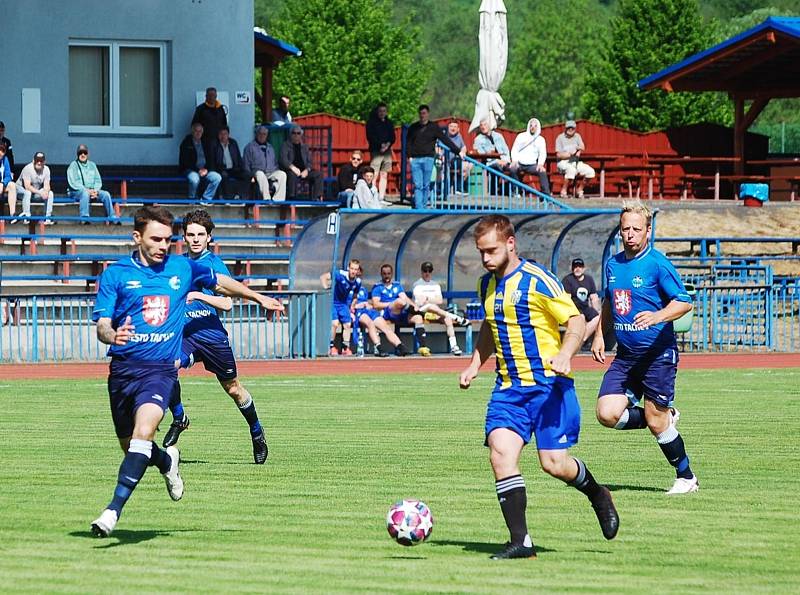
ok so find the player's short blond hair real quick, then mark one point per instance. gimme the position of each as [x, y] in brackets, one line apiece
[638, 207]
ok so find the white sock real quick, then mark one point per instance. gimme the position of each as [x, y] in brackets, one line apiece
[452, 342]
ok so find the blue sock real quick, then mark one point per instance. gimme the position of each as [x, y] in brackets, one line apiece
[130, 472]
[248, 411]
[159, 458]
[674, 450]
[175, 404]
[631, 419]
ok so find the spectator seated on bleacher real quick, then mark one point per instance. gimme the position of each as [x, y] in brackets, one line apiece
[259, 159]
[226, 160]
[347, 178]
[7, 185]
[194, 164]
[296, 162]
[366, 195]
[6, 142]
[529, 153]
[35, 181]
[85, 185]
[569, 146]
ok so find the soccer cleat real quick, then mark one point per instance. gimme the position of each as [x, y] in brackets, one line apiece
[333, 352]
[173, 477]
[401, 350]
[684, 486]
[461, 321]
[675, 415]
[513, 550]
[260, 450]
[380, 353]
[606, 513]
[424, 351]
[175, 429]
[456, 350]
[347, 351]
[105, 523]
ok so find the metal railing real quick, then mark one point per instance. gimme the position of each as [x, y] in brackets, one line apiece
[59, 328]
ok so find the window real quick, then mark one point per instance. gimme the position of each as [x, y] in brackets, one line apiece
[117, 87]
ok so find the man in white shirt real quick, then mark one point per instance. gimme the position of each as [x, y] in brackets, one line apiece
[428, 300]
[35, 181]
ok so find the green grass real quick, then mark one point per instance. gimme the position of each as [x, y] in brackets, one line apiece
[344, 448]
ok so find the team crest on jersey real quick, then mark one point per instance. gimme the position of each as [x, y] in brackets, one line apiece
[175, 282]
[516, 297]
[622, 301]
[133, 284]
[637, 281]
[155, 309]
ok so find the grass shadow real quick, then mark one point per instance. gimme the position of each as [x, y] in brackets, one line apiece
[479, 547]
[200, 462]
[631, 488]
[122, 537]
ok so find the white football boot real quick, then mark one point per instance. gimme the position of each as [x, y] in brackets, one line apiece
[172, 477]
[684, 486]
[105, 523]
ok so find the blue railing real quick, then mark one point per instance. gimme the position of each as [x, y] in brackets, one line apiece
[58, 328]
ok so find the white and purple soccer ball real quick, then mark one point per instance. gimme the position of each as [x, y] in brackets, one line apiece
[409, 522]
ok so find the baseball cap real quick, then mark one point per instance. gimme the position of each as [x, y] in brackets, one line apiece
[427, 267]
[577, 262]
[38, 156]
[570, 124]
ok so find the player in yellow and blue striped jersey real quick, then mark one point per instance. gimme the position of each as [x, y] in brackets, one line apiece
[534, 394]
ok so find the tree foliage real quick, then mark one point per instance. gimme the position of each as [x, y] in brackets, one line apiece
[353, 57]
[647, 36]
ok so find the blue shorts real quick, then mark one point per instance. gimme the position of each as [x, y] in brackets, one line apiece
[549, 412]
[401, 318]
[131, 384]
[217, 358]
[341, 312]
[369, 312]
[652, 378]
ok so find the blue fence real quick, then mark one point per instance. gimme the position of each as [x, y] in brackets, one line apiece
[58, 328]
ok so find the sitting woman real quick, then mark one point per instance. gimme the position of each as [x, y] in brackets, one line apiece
[366, 195]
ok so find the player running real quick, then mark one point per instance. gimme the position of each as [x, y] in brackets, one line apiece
[139, 311]
[534, 393]
[206, 340]
[345, 288]
[643, 295]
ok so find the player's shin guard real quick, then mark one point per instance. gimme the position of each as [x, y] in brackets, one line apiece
[674, 450]
[631, 419]
[159, 458]
[248, 411]
[130, 472]
[513, 502]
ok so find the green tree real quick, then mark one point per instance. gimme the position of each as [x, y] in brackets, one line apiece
[647, 36]
[354, 56]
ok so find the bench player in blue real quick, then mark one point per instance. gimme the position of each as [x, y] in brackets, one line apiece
[643, 295]
[345, 288]
[206, 340]
[372, 320]
[534, 393]
[389, 298]
[139, 312]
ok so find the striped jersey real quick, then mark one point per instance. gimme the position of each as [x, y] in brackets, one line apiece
[524, 310]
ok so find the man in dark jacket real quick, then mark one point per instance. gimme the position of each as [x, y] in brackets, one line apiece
[348, 177]
[421, 142]
[195, 165]
[6, 142]
[295, 160]
[212, 115]
[380, 137]
[226, 159]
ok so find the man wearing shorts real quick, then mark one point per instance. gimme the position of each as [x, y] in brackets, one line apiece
[206, 340]
[345, 288]
[643, 295]
[534, 394]
[139, 311]
[389, 298]
[380, 138]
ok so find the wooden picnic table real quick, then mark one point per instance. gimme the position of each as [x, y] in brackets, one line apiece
[661, 162]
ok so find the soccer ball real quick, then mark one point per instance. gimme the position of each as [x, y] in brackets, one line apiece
[409, 522]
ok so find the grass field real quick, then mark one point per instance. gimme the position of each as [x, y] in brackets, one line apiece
[343, 448]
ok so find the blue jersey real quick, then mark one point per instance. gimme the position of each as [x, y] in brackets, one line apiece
[202, 320]
[523, 311]
[362, 295]
[386, 294]
[344, 287]
[647, 282]
[155, 299]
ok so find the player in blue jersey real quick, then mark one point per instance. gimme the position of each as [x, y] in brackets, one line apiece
[396, 307]
[372, 320]
[139, 311]
[643, 295]
[534, 394]
[206, 340]
[345, 288]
